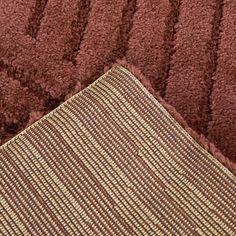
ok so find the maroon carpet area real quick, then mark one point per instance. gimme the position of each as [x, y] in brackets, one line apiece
[51, 49]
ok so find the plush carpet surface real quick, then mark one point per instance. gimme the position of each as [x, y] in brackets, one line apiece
[112, 161]
[50, 49]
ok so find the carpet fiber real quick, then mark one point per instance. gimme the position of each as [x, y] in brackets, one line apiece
[50, 49]
[112, 161]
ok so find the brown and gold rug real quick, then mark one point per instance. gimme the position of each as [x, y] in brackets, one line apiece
[112, 160]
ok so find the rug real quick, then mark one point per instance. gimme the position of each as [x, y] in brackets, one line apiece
[112, 160]
[51, 49]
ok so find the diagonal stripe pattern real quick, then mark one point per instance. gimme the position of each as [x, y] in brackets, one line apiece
[112, 161]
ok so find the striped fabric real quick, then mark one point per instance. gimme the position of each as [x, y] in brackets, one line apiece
[112, 161]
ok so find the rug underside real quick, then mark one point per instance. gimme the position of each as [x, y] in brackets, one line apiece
[112, 161]
[52, 49]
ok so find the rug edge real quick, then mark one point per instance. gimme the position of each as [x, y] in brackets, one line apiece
[199, 138]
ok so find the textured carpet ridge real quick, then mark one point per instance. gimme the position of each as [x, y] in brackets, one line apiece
[125, 28]
[150, 34]
[169, 44]
[214, 44]
[223, 94]
[35, 19]
[78, 28]
[192, 63]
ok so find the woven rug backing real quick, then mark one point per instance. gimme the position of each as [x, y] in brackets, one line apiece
[112, 161]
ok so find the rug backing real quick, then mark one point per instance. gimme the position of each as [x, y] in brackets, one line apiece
[112, 161]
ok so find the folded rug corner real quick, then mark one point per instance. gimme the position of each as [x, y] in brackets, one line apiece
[115, 159]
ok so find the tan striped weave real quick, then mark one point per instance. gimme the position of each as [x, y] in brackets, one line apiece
[112, 161]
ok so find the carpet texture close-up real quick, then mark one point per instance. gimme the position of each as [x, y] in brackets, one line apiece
[51, 49]
[112, 160]
[118, 117]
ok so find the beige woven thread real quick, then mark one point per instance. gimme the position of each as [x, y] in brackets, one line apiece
[112, 161]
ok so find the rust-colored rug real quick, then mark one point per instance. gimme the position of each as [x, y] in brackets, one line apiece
[112, 160]
[50, 49]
